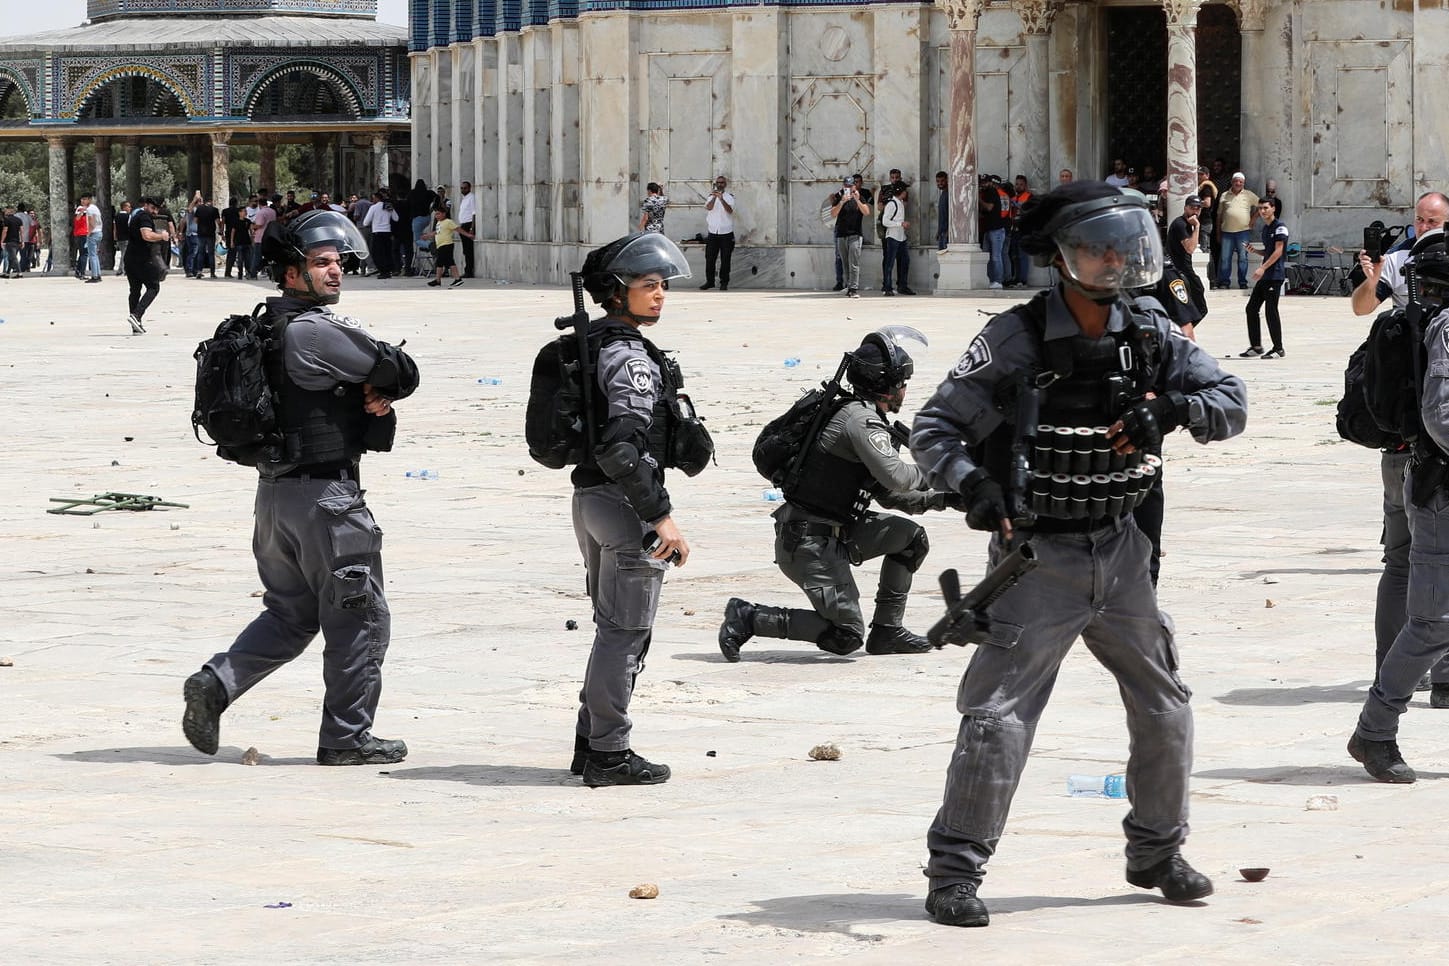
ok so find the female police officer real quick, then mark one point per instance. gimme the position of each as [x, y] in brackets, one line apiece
[620, 503]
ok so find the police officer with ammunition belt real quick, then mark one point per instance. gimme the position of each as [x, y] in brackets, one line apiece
[825, 526]
[318, 549]
[1040, 427]
[622, 513]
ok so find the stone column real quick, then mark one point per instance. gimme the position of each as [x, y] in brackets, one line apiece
[267, 174]
[319, 163]
[193, 167]
[964, 267]
[220, 172]
[133, 169]
[103, 194]
[1033, 119]
[60, 201]
[1266, 125]
[605, 98]
[1182, 151]
[381, 162]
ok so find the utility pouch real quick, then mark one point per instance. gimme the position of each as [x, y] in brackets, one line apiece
[1427, 476]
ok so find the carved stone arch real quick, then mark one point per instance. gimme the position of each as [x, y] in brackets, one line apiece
[161, 78]
[346, 92]
[13, 85]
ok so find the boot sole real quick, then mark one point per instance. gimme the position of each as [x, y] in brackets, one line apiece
[202, 729]
[600, 778]
[1181, 897]
[359, 759]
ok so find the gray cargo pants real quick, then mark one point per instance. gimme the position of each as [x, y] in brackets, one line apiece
[319, 556]
[1393, 591]
[821, 567]
[1093, 585]
[624, 585]
[1424, 640]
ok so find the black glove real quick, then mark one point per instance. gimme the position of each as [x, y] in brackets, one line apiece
[985, 502]
[1145, 423]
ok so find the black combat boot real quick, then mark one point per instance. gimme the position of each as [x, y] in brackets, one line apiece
[1439, 696]
[581, 753]
[1381, 759]
[894, 640]
[957, 905]
[622, 768]
[738, 627]
[373, 751]
[1178, 881]
[205, 701]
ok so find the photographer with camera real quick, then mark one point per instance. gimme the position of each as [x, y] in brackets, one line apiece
[850, 207]
[992, 223]
[1383, 274]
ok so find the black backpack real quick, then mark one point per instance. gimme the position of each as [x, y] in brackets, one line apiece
[1353, 420]
[1390, 380]
[784, 437]
[235, 402]
[555, 424]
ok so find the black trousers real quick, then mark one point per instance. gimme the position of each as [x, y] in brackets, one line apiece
[1265, 296]
[382, 252]
[466, 244]
[719, 247]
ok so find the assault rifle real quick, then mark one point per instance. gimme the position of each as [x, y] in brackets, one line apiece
[832, 391]
[579, 322]
[967, 620]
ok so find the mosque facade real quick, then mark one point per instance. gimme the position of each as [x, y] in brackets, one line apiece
[561, 111]
[207, 75]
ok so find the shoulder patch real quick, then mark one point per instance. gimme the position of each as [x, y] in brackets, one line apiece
[639, 375]
[1178, 288]
[880, 441]
[976, 358]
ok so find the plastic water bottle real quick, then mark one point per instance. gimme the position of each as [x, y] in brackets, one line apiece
[1097, 786]
[490, 381]
[771, 495]
[422, 475]
[792, 362]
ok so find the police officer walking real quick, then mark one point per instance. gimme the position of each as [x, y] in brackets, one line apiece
[621, 511]
[1091, 382]
[825, 525]
[318, 549]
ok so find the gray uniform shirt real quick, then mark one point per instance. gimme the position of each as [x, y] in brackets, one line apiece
[859, 433]
[963, 411]
[631, 385]
[1434, 403]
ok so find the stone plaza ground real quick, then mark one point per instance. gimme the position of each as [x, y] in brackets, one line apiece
[125, 846]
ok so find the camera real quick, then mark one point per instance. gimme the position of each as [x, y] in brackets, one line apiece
[1373, 242]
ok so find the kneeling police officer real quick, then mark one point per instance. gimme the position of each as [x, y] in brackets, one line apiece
[318, 549]
[825, 526]
[1041, 427]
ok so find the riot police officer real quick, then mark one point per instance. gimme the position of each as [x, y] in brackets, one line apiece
[825, 525]
[622, 513]
[1090, 382]
[318, 549]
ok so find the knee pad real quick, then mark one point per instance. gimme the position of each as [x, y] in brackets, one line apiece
[837, 640]
[915, 554]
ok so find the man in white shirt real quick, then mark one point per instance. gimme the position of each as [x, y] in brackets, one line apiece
[95, 230]
[467, 214]
[719, 222]
[897, 248]
[261, 218]
[378, 224]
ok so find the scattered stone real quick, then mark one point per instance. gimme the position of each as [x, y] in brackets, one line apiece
[825, 752]
[1270, 580]
[89, 570]
[251, 756]
[1322, 803]
[1269, 603]
[520, 472]
[689, 613]
[707, 754]
[571, 625]
[175, 526]
[647, 890]
[115, 462]
[258, 593]
[1250, 921]
[129, 439]
[6, 662]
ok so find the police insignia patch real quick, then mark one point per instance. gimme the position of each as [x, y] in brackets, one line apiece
[1178, 288]
[639, 375]
[881, 441]
[977, 357]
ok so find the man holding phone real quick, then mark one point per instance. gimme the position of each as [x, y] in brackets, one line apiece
[1383, 274]
[850, 207]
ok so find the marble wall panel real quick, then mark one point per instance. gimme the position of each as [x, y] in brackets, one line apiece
[1353, 162]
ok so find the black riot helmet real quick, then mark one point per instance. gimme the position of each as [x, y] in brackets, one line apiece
[880, 366]
[609, 269]
[1427, 269]
[290, 243]
[1102, 239]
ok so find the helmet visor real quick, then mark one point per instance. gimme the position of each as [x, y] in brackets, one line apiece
[328, 232]
[1113, 249]
[649, 253]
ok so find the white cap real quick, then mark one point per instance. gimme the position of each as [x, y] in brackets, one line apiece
[1237, 175]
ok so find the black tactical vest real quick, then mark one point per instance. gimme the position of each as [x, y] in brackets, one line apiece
[832, 486]
[318, 425]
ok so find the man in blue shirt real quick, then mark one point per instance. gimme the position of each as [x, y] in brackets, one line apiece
[1269, 284]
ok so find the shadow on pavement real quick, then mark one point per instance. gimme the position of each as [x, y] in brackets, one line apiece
[488, 775]
[1348, 774]
[832, 913]
[814, 656]
[1352, 692]
[178, 755]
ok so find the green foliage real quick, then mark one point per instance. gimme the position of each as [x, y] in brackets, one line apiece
[17, 187]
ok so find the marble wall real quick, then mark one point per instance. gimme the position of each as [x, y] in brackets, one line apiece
[560, 126]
